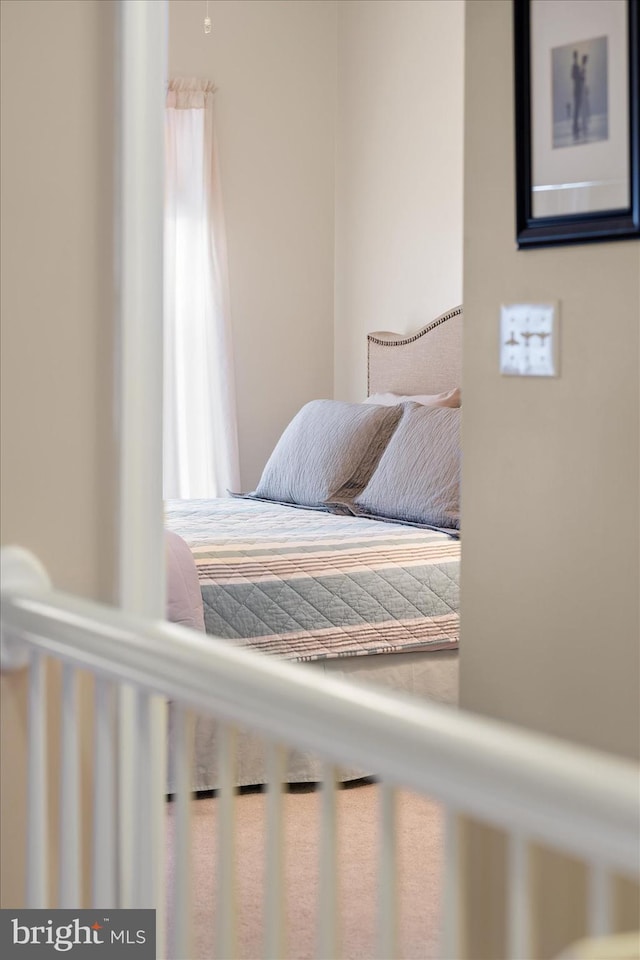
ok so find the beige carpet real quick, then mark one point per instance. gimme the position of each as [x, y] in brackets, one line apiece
[419, 829]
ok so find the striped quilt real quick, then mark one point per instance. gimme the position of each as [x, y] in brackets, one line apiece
[306, 585]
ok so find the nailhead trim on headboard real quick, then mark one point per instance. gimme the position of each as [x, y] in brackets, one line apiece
[371, 337]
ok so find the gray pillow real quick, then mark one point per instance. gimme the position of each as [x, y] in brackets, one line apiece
[330, 449]
[418, 476]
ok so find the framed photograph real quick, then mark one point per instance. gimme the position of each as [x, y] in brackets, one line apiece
[577, 120]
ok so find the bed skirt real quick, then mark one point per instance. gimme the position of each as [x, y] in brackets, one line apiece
[425, 675]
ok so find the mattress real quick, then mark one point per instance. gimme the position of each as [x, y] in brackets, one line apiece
[374, 602]
[307, 585]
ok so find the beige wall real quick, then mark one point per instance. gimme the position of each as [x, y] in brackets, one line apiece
[355, 107]
[274, 64]
[551, 486]
[398, 172]
[57, 464]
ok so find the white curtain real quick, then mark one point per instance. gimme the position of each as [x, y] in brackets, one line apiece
[200, 425]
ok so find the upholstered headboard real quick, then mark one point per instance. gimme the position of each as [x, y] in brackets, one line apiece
[429, 361]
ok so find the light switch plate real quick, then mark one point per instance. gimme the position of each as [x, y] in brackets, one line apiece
[529, 340]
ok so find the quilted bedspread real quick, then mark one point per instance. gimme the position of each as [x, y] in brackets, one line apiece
[306, 585]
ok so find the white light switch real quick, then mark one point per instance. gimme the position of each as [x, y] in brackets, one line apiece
[529, 340]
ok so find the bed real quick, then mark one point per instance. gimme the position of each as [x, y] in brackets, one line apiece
[345, 558]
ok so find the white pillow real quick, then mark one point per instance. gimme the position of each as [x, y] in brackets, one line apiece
[451, 398]
[330, 448]
[418, 476]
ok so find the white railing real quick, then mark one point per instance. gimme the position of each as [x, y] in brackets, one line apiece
[535, 788]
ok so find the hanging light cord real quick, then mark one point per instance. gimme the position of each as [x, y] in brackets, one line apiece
[207, 18]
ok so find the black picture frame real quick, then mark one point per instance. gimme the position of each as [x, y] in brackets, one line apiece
[599, 225]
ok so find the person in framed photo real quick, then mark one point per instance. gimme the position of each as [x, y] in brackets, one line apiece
[577, 81]
[585, 98]
[580, 108]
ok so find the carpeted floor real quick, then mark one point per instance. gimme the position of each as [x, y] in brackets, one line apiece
[419, 835]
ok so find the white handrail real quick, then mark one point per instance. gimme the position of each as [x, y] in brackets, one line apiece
[574, 799]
